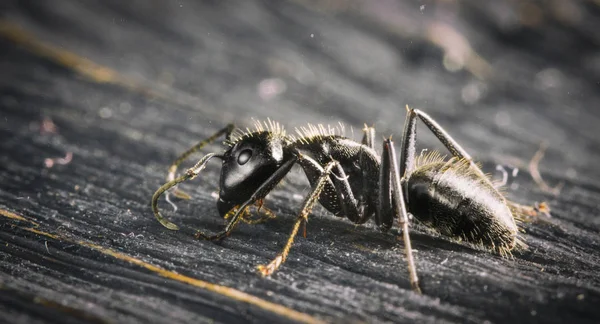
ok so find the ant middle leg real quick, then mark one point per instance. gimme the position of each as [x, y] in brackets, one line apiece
[351, 207]
[392, 203]
[362, 196]
[307, 206]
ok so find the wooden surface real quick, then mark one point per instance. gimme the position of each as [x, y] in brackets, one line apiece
[125, 86]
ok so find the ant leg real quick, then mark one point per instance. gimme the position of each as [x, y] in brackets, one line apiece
[339, 181]
[260, 193]
[409, 142]
[173, 168]
[363, 160]
[307, 206]
[265, 214]
[390, 187]
[448, 141]
[385, 213]
[191, 173]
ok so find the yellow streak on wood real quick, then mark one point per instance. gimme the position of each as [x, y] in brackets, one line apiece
[94, 71]
[39, 232]
[222, 290]
[12, 215]
[63, 57]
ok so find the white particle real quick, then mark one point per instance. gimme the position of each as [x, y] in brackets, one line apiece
[105, 112]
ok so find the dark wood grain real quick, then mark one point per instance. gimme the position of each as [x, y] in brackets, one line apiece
[131, 84]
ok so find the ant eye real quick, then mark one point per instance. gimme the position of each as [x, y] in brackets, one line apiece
[244, 156]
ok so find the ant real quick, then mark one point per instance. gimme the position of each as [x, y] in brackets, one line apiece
[351, 180]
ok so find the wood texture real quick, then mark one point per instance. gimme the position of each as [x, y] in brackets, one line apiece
[128, 85]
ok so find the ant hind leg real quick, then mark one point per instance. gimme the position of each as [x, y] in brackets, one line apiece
[447, 140]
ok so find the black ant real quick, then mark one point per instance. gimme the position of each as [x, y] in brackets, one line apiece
[350, 179]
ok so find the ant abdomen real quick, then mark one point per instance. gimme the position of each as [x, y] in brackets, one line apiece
[450, 197]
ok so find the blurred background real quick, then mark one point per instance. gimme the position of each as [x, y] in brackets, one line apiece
[504, 62]
[98, 97]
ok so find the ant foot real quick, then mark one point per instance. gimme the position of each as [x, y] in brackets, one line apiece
[271, 267]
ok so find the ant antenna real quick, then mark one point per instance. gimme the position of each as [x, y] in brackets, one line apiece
[191, 173]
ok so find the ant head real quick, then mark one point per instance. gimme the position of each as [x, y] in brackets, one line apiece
[247, 165]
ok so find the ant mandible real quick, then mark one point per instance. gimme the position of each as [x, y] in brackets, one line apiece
[351, 180]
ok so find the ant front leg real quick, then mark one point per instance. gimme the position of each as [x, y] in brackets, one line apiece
[307, 206]
[227, 130]
[258, 194]
[392, 203]
[265, 214]
[191, 173]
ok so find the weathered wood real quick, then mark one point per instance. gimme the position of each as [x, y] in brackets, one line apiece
[131, 84]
